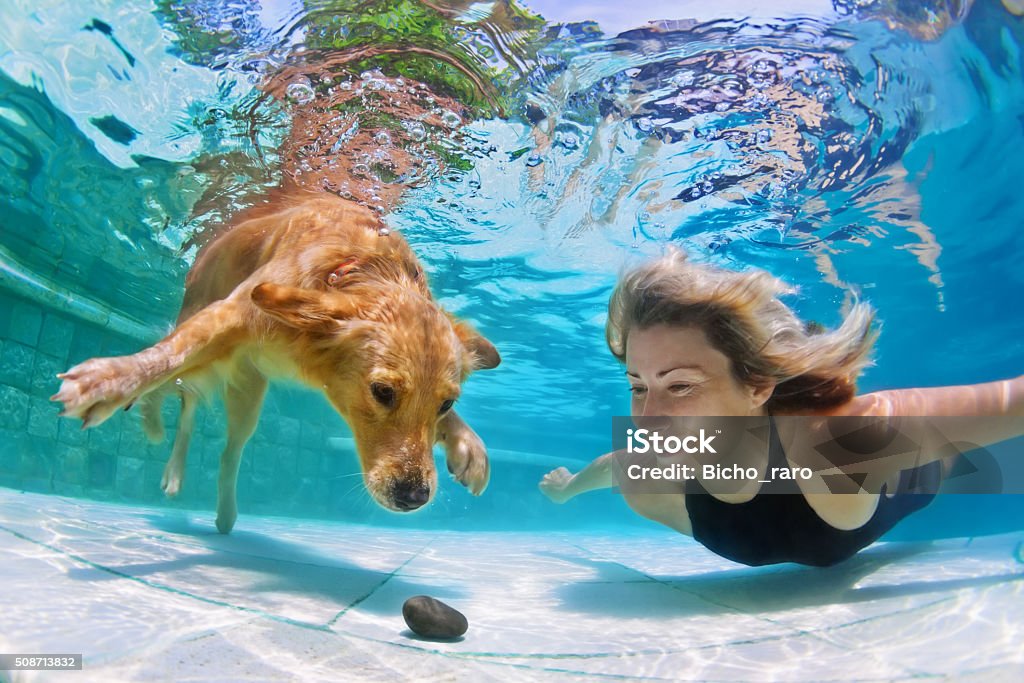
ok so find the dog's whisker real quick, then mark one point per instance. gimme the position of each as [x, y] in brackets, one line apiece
[352, 490]
[346, 476]
[362, 504]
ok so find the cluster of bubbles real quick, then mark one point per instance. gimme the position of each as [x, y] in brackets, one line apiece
[366, 136]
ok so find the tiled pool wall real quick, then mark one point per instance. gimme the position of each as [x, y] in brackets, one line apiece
[292, 466]
[114, 460]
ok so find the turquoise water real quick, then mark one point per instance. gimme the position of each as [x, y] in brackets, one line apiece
[851, 148]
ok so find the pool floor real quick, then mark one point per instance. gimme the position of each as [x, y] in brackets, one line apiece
[152, 594]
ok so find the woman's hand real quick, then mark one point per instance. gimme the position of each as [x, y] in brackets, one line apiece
[555, 483]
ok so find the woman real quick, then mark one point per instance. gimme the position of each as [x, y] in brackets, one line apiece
[703, 341]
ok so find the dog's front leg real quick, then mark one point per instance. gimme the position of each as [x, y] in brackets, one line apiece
[466, 453]
[95, 389]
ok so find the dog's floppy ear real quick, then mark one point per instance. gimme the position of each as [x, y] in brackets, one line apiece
[303, 308]
[485, 355]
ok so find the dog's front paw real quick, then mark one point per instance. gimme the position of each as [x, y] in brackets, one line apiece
[95, 389]
[467, 460]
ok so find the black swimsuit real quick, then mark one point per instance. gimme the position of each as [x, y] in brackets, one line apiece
[775, 527]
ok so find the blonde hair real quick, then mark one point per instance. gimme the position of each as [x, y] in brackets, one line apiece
[743, 318]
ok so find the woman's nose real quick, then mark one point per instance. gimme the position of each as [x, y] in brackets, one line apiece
[652, 406]
[652, 410]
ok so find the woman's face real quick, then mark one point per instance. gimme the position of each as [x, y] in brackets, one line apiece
[676, 371]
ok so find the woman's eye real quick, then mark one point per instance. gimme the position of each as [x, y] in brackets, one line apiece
[383, 394]
[446, 406]
[680, 388]
[636, 391]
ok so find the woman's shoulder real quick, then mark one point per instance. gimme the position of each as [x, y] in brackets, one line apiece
[873, 404]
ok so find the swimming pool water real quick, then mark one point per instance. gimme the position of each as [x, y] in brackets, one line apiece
[868, 149]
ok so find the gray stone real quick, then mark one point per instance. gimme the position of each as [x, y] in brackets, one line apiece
[430, 618]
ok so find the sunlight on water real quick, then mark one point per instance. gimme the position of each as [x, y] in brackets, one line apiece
[529, 153]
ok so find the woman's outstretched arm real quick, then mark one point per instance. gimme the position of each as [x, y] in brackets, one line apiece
[560, 484]
[967, 416]
[1002, 401]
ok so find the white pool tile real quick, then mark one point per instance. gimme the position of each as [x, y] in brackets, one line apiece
[157, 595]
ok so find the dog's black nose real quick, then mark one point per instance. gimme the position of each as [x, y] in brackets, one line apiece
[410, 496]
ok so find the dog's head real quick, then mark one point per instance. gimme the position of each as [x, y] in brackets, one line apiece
[392, 362]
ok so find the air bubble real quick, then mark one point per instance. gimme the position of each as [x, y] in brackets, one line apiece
[374, 80]
[644, 124]
[417, 131]
[300, 92]
[534, 160]
[451, 119]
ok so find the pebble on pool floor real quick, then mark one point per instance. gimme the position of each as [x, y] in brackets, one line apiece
[431, 618]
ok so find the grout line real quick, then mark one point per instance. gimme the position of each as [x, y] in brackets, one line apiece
[794, 631]
[484, 657]
[183, 540]
[163, 587]
[669, 585]
[387, 578]
[17, 279]
[309, 626]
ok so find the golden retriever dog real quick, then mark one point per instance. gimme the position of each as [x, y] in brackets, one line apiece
[311, 287]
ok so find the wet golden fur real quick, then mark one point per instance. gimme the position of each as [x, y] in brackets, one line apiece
[260, 304]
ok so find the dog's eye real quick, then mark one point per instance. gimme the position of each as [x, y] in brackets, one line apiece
[383, 394]
[446, 406]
